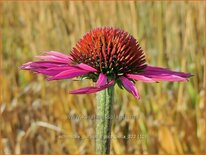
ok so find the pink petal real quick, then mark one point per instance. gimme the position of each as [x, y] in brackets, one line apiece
[71, 73]
[53, 71]
[89, 90]
[58, 54]
[140, 78]
[102, 80]
[26, 66]
[56, 69]
[45, 64]
[57, 65]
[47, 72]
[53, 55]
[130, 86]
[168, 78]
[52, 58]
[46, 67]
[86, 67]
[151, 70]
[163, 74]
[49, 60]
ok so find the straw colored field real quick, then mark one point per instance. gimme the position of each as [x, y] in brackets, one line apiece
[38, 116]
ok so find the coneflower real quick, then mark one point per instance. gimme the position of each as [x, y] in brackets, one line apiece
[107, 56]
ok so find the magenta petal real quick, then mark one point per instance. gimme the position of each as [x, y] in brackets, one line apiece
[45, 64]
[57, 65]
[130, 86]
[71, 73]
[86, 67]
[88, 90]
[51, 64]
[26, 66]
[48, 72]
[140, 78]
[45, 67]
[151, 70]
[55, 57]
[85, 90]
[53, 70]
[58, 54]
[52, 59]
[102, 80]
[169, 78]
[163, 74]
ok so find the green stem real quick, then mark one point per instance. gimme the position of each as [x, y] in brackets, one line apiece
[104, 120]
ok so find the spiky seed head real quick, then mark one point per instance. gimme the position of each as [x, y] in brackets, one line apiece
[111, 51]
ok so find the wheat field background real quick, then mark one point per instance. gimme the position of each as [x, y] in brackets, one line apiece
[36, 114]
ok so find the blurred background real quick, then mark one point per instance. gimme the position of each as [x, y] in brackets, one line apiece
[41, 117]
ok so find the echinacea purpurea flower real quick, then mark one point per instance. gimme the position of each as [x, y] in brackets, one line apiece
[107, 56]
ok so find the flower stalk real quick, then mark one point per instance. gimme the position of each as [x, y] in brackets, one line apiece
[104, 120]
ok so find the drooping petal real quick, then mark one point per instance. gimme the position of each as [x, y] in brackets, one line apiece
[26, 66]
[57, 66]
[88, 90]
[53, 70]
[169, 78]
[140, 78]
[54, 56]
[58, 54]
[102, 80]
[37, 66]
[163, 74]
[86, 67]
[42, 64]
[67, 74]
[49, 68]
[151, 70]
[48, 60]
[130, 86]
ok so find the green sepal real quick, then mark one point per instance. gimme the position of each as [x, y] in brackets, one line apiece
[119, 83]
